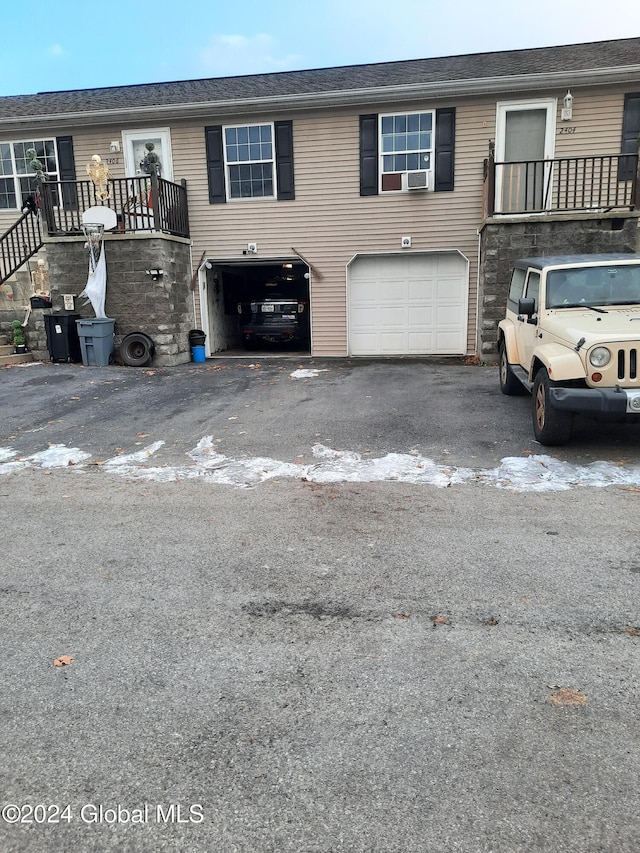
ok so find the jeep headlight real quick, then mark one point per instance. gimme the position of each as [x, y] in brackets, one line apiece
[600, 357]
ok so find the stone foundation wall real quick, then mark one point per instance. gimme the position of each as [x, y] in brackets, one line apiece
[162, 309]
[503, 241]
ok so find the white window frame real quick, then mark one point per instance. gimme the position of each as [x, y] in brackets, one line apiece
[133, 142]
[504, 107]
[228, 165]
[30, 175]
[383, 154]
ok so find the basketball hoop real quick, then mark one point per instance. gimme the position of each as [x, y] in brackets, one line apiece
[94, 234]
[95, 221]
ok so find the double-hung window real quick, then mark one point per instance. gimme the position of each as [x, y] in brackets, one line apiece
[249, 159]
[406, 145]
[17, 178]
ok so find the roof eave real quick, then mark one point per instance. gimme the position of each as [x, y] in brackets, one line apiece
[504, 85]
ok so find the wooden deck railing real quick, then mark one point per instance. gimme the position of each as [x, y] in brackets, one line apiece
[562, 184]
[144, 203]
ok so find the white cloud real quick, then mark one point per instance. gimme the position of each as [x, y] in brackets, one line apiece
[228, 55]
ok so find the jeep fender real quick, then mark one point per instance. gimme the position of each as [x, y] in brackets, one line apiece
[507, 333]
[561, 363]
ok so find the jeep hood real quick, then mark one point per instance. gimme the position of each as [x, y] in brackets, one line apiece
[572, 324]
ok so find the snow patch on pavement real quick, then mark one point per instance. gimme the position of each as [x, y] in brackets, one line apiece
[306, 373]
[534, 473]
[58, 456]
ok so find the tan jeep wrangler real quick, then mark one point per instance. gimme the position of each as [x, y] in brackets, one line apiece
[571, 337]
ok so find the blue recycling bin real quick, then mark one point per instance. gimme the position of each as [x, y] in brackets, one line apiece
[198, 354]
[96, 340]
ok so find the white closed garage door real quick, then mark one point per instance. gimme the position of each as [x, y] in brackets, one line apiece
[408, 304]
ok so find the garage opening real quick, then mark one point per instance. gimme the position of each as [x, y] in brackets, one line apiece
[259, 307]
[408, 304]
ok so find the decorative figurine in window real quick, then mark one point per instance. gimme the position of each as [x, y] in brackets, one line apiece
[150, 162]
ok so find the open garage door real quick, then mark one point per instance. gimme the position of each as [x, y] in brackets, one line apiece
[260, 306]
[408, 304]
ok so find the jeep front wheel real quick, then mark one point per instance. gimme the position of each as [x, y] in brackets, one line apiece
[509, 383]
[551, 426]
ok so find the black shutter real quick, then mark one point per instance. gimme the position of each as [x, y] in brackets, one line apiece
[67, 171]
[215, 164]
[630, 135]
[445, 149]
[284, 160]
[369, 155]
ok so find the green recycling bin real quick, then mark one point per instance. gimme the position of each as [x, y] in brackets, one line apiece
[96, 340]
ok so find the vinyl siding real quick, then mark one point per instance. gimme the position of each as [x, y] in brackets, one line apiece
[329, 222]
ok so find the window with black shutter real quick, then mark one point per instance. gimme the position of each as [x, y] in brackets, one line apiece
[250, 161]
[401, 151]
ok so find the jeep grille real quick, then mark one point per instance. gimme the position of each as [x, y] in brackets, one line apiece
[628, 364]
[623, 369]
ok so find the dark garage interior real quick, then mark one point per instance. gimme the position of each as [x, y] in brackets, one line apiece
[236, 293]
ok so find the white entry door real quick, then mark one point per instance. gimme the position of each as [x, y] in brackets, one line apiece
[135, 148]
[525, 139]
[408, 304]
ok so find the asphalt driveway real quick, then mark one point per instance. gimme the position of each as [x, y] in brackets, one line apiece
[353, 610]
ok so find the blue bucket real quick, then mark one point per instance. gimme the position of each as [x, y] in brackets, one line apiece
[198, 355]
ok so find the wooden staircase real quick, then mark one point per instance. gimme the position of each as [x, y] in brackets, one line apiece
[8, 357]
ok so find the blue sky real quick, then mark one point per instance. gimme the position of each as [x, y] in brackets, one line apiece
[78, 45]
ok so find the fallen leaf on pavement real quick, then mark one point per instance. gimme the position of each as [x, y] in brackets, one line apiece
[566, 696]
[402, 616]
[63, 660]
[440, 620]
[635, 632]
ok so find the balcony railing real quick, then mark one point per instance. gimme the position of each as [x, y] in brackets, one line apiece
[142, 204]
[561, 185]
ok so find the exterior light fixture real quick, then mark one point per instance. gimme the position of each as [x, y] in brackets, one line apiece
[567, 109]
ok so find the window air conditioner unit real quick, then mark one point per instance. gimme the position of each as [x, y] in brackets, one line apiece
[422, 180]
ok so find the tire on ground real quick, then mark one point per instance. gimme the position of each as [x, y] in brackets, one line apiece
[509, 382]
[551, 426]
[137, 349]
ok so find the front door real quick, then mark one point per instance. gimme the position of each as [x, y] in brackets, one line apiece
[137, 145]
[524, 147]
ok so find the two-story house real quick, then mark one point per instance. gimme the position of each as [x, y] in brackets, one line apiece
[388, 198]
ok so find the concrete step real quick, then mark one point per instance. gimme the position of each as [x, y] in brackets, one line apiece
[8, 356]
[14, 358]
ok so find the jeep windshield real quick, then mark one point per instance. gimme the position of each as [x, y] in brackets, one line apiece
[590, 287]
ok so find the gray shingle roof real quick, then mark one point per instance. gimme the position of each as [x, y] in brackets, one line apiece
[519, 63]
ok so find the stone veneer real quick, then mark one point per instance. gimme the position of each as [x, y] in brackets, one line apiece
[504, 240]
[162, 309]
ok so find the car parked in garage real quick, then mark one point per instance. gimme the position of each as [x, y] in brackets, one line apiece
[275, 318]
[571, 337]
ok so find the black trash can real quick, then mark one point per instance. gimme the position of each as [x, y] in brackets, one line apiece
[63, 341]
[197, 338]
